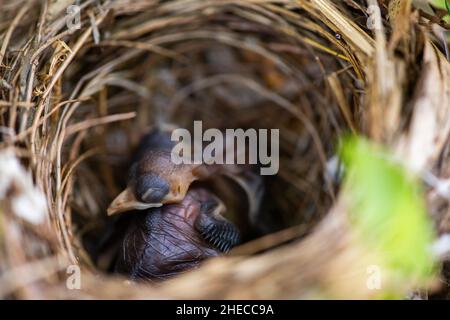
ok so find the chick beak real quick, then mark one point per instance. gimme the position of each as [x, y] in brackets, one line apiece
[126, 201]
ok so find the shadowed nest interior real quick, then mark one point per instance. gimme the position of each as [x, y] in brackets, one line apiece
[75, 101]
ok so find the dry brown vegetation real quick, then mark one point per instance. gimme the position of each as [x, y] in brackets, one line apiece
[73, 102]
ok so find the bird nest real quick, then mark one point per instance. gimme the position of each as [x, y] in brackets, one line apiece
[77, 95]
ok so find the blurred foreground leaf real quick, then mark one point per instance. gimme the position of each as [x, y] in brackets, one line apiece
[388, 211]
[444, 4]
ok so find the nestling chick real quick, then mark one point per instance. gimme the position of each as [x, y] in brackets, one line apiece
[154, 180]
[163, 242]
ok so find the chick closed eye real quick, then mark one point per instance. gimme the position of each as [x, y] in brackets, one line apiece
[151, 188]
[153, 180]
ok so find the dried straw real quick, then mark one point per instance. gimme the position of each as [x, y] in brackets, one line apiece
[73, 102]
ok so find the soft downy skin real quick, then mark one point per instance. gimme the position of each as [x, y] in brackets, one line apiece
[164, 242]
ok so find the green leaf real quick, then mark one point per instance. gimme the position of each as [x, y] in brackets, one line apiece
[387, 209]
[442, 4]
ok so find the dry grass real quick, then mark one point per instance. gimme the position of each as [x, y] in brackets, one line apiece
[74, 102]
